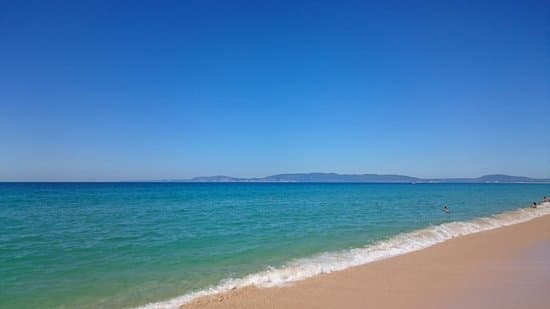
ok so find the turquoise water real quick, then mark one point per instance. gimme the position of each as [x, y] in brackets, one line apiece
[117, 245]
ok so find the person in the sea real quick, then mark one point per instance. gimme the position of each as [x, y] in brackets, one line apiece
[534, 205]
[445, 208]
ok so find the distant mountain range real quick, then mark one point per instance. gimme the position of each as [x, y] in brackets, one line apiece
[364, 178]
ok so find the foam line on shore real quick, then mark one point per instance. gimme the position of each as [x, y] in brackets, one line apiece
[328, 262]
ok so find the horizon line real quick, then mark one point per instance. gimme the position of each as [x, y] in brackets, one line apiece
[260, 179]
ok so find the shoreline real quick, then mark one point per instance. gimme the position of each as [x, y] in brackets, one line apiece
[350, 286]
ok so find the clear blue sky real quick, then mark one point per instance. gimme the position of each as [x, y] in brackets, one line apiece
[132, 90]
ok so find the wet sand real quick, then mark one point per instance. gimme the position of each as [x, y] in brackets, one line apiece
[508, 267]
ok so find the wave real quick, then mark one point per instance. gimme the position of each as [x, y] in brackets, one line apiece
[328, 262]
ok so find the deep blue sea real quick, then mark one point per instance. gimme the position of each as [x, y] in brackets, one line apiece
[121, 245]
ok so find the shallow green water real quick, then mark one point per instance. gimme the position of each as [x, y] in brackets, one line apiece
[115, 245]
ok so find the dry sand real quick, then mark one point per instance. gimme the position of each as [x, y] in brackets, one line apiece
[508, 267]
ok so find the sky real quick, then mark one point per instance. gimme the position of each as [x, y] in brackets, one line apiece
[137, 90]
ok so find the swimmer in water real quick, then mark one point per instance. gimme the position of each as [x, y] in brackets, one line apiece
[534, 205]
[445, 208]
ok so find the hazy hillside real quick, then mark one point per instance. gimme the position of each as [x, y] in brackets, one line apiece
[365, 178]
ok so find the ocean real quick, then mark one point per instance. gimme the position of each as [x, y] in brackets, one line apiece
[158, 245]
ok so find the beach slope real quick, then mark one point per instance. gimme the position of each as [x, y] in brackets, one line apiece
[505, 267]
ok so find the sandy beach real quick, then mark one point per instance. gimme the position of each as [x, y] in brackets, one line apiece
[502, 268]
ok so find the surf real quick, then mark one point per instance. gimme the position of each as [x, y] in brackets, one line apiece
[327, 262]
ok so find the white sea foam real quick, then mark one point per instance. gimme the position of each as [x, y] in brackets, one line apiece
[300, 269]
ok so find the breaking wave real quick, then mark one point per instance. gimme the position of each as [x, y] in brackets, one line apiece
[328, 262]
